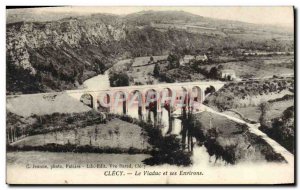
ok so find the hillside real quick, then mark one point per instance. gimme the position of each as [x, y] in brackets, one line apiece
[62, 52]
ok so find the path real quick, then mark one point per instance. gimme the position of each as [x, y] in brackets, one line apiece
[253, 128]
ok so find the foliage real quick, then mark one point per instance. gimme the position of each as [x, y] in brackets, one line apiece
[224, 102]
[210, 90]
[263, 107]
[227, 96]
[166, 149]
[173, 60]
[228, 140]
[283, 129]
[165, 77]
[213, 73]
[19, 79]
[156, 71]
[118, 79]
[151, 59]
[51, 123]
[99, 66]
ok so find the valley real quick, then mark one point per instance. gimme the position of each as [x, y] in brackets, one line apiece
[150, 89]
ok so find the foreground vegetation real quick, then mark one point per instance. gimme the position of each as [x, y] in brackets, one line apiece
[20, 127]
[232, 95]
[282, 129]
[231, 141]
[42, 133]
[166, 149]
[276, 116]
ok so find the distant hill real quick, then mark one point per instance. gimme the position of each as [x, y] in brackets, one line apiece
[57, 52]
[147, 17]
[30, 15]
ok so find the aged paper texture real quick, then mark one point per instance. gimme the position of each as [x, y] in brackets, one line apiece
[150, 95]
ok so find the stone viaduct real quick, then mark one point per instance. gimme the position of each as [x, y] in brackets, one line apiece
[114, 97]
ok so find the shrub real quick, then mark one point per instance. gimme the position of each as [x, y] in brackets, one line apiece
[118, 79]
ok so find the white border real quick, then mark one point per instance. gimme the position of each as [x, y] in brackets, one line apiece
[4, 3]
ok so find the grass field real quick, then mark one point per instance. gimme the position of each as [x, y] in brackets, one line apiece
[41, 104]
[115, 134]
[251, 112]
[138, 61]
[261, 67]
[255, 100]
[140, 72]
[142, 75]
[276, 110]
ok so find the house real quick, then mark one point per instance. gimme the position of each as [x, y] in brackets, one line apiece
[201, 57]
[186, 59]
[227, 74]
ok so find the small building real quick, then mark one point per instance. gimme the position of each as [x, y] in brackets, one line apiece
[227, 74]
[186, 59]
[201, 57]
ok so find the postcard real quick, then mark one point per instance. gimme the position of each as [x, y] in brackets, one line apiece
[150, 95]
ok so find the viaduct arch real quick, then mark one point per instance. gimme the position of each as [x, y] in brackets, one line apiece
[160, 95]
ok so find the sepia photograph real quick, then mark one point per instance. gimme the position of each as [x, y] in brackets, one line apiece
[157, 95]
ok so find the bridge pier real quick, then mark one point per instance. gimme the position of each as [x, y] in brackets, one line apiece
[95, 103]
[166, 94]
[159, 117]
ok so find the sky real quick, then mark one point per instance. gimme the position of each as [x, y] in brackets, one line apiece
[259, 15]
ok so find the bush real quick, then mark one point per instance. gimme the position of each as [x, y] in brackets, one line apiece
[118, 79]
[169, 151]
[165, 149]
[54, 122]
[282, 129]
[164, 77]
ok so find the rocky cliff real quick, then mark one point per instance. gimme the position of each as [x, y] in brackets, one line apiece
[67, 51]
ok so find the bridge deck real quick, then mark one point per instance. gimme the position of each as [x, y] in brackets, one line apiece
[161, 85]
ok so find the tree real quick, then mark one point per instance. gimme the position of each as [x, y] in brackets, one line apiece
[282, 129]
[151, 59]
[263, 107]
[99, 66]
[22, 80]
[173, 60]
[118, 79]
[156, 70]
[110, 132]
[209, 90]
[288, 113]
[213, 73]
[220, 67]
[96, 133]
[117, 132]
